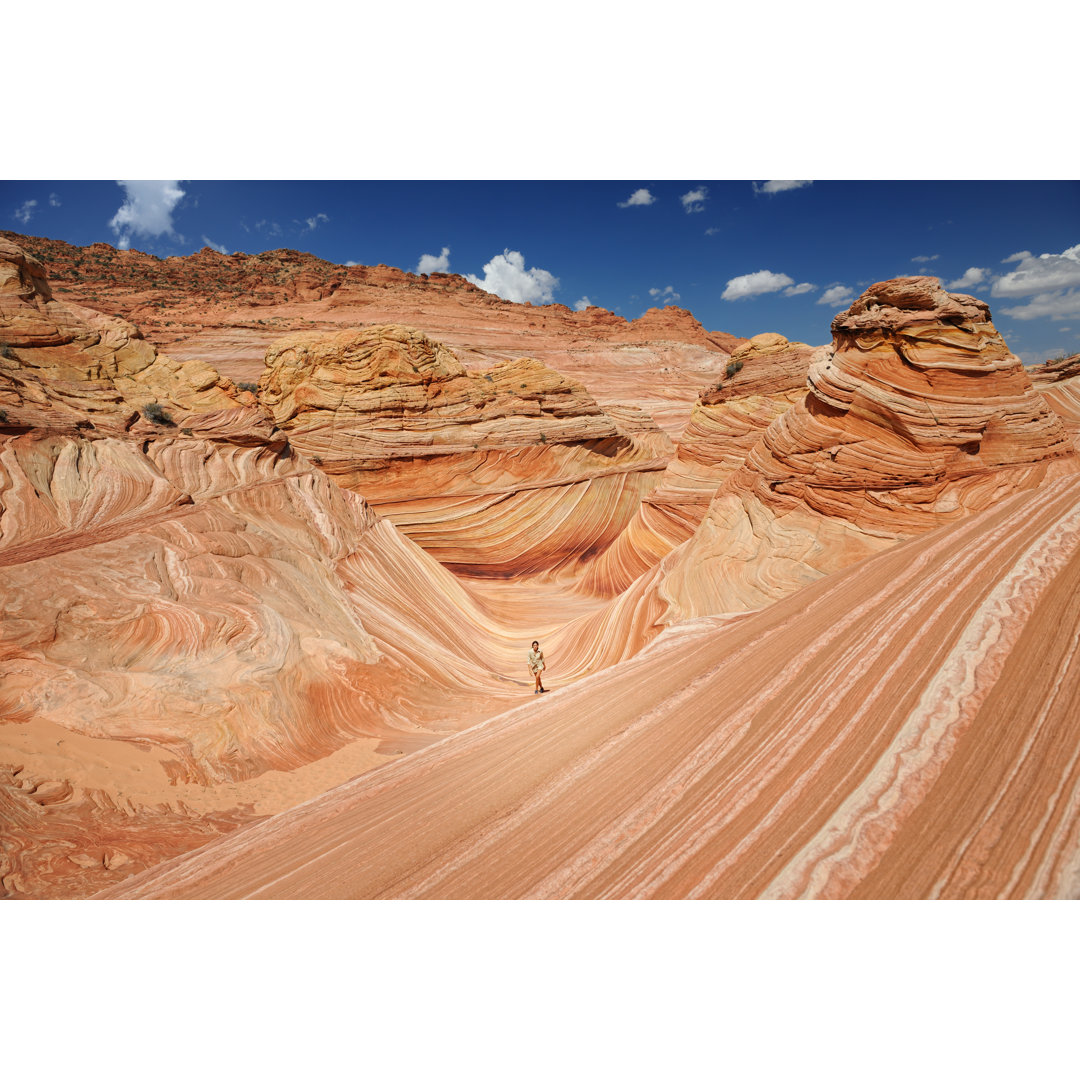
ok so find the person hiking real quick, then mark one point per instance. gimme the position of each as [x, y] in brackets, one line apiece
[537, 666]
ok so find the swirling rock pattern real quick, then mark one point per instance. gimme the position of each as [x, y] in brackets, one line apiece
[205, 626]
[887, 733]
[917, 416]
[507, 471]
[764, 378]
[1059, 383]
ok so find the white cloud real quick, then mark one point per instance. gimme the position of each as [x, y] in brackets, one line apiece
[773, 187]
[271, 228]
[837, 295]
[583, 303]
[54, 199]
[217, 247]
[507, 277]
[434, 264]
[712, 230]
[924, 258]
[147, 209]
[1041, 274]
[667, 294]
[315, 220]
[25, 212]
[694, 201]
[798, 290]
[1063, 304]
[641, 197]
[1051, 281]
[973, 275]
[763, 281]
[351, 262]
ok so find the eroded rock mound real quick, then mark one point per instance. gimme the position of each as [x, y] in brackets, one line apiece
[509, 470]
[917, 416]
[71, 369]
[764, 377]
[228, 309]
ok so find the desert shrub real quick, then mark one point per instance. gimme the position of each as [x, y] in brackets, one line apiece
[250, 387]
[6, 353]
[156, 414]
[3, 416]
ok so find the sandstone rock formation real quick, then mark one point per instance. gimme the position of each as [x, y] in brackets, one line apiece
[187, 619]
[905, 729]
[763, 378]
[212, 611]
[228, 309]
[1059, 383]
[72, 369]
[501, 472]
[917, 415]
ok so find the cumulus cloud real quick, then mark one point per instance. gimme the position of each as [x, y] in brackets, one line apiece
[763, 281]
[694, 201]
[641, 197]
[217, 247]
[1052, 281]
[798, 290]
[1063, 304]
[667, 294]
[434, 264]
[54, 199]
[25, 212]
[583, 303]
[1040, 274]
[774, 187]
[973, 275]
[147, 209]
[924, 258]
[507, 277]
[837, 295]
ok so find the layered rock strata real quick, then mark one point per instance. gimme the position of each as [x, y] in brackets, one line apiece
[513, 470]
[196, 629]
[70, 369]
[228, 309]
[764, 377]
[917, 416]
[1059, 382]
[905, 729]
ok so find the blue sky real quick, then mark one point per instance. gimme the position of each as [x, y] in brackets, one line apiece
[744, 256]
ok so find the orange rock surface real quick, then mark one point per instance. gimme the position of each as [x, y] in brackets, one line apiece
[905, 729]
[297, 614]
[500, 472]
[228, 309]
[69, 368]
[764, 377]
[916, 416]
